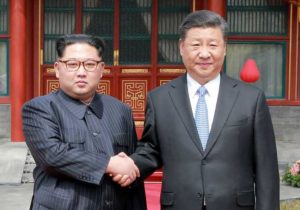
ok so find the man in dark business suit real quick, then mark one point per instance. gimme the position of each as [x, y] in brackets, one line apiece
[74, 135]
[223, 157]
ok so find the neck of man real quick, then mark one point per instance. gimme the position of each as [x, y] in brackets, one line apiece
[88, 101]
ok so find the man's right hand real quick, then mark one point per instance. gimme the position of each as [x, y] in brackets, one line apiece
[122, 169]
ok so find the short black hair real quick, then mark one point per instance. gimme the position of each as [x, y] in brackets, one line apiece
[69, 39]
[203, 19]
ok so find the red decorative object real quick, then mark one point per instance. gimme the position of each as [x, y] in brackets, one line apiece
[250, 72]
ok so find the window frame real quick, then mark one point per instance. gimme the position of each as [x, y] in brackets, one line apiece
[280, 38]
[7, 68]
[4, 38]
[283, 44]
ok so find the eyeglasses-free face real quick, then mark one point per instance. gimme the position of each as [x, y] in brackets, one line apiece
[74, 65]
[203, 52]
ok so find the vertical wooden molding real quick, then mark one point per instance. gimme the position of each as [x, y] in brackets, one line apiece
[116, 57]
[40, 52]
[194, 5]
[290, 52]
[41, 57]
[293, 51]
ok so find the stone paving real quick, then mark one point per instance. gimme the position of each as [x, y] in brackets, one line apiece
[17, 197]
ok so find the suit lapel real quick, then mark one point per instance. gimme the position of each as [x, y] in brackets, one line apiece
[179, 97]
[226, 99]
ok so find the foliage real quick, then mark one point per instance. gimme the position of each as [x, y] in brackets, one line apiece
[292, 175]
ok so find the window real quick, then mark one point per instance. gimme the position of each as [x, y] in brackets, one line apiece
[59, 20]
[98, 19]
[129, 29]
[269, 58]
[258, 30]
[3, 17]
[170, 15]
[4, 75]
[135, 32]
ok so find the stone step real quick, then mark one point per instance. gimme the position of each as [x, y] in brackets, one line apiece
[28, 169]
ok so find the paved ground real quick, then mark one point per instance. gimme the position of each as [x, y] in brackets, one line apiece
[17, 197]
[12, 162]
[289, 193]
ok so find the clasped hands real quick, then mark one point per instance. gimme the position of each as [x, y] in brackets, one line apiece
[122, 169]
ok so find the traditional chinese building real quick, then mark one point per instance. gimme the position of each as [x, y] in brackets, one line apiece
[142, 51]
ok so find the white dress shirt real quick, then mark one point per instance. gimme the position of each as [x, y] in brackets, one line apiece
[211, 97]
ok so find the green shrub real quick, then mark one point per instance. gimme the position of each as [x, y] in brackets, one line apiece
[291, 175]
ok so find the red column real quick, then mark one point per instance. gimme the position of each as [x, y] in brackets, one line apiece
[29, 50]
[17, 66]
[218, 6]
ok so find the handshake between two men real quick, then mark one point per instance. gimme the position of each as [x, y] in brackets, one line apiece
[122, 169]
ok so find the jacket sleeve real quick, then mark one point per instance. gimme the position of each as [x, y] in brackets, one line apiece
[266, 164]
[147, 156]
[43, 137]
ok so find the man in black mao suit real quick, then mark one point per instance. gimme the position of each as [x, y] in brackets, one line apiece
[236, 168]
[74, 135]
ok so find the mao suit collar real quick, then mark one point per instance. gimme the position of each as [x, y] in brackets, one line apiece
[97, 105]
[77, 108]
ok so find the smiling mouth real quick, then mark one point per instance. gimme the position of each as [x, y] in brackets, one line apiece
[204, 64]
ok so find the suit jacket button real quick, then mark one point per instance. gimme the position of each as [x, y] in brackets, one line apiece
[108, 203]
[95, 134]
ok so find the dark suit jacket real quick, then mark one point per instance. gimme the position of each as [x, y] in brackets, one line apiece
[72, 144]
[239, 163]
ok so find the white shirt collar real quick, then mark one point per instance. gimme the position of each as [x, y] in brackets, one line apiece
[212, 86]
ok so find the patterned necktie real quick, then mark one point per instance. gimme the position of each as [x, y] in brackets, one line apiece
[201, 117]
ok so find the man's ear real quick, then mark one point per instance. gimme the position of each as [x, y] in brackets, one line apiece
[180, 43]
[102, 67]
[56, 69]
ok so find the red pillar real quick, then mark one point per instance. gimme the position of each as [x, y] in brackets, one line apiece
[17, 66]
[218, 6]
[29, 50]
